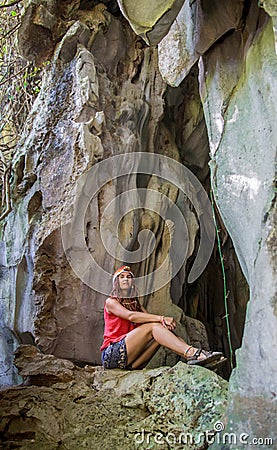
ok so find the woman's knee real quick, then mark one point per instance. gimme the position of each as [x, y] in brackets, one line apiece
[150, 327]
[156, 327]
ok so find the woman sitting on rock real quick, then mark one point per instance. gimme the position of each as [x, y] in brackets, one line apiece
[132, 335]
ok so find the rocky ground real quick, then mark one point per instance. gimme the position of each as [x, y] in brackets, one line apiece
[63, 406]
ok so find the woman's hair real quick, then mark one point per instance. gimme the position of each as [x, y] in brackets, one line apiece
[131, 302]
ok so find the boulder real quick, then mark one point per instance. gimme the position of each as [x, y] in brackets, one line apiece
[93, 408]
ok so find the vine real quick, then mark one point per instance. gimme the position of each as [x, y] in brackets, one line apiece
[225, 292]
[20, 83]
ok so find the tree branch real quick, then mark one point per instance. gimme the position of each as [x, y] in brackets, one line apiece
[11, 31]
[14, 75]
[10, 4]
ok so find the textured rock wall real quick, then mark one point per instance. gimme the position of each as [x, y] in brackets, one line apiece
[244, 152]
[237, 83]
[102, 95]
[107, 92]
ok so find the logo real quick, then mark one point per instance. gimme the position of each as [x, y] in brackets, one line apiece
[155, 200]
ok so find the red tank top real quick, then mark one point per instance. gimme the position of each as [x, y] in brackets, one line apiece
[115, 328]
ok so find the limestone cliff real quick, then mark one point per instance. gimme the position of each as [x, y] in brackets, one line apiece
[191, 80]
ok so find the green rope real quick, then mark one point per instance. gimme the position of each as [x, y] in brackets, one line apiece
[225, 293]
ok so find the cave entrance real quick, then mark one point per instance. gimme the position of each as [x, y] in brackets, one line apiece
[218, 298]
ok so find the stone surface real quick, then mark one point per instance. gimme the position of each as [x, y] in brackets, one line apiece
[196, 28]
[252, 181]
[150, 20]
[77, 34]
[42, 369]
[35, 35]
[102, 95]
[271, 8]
[93, 408]
[243, 147]
[92, 104]
[238, 71]
[45, 23]
[107, 97]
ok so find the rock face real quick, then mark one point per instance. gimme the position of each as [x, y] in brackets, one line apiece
[91, 408]
[243, 151]
[100, 100]
[151, 21]
[196, 28]
[205, 95]
[238, 186]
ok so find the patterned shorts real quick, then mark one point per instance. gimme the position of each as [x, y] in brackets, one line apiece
[115, 356]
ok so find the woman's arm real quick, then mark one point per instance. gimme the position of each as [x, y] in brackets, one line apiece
[114, 307]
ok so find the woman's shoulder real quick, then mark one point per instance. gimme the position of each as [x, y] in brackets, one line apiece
[109, 301]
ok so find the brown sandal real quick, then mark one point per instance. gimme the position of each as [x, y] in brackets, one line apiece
[216, 364]
[209, 357]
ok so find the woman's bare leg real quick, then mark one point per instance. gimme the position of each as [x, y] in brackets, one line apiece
[145, 357]
[138, 340]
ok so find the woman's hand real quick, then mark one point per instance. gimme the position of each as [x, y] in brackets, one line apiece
[169, 323]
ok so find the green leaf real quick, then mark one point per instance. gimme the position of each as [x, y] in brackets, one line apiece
[13, 13]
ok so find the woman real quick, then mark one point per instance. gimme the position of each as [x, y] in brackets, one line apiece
[132, 335]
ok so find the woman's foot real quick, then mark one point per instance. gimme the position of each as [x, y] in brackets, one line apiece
[194, 356]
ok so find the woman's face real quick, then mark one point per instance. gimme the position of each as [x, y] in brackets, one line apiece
[125, 281]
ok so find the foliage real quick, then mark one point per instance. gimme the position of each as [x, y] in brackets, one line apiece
[19, 85]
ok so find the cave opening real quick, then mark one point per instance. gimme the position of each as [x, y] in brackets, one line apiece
[218, 298]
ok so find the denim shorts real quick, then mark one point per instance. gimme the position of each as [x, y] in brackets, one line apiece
[115, 355]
